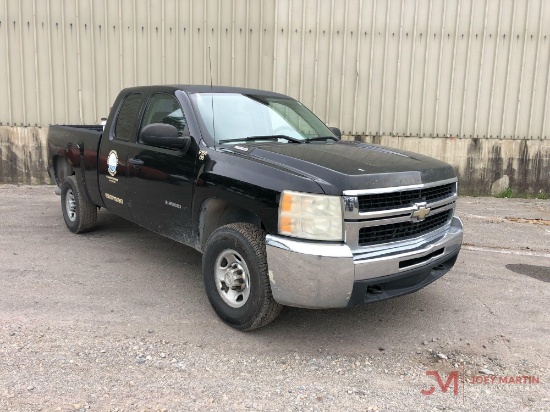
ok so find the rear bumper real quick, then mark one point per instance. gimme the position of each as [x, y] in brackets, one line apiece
[321, 275]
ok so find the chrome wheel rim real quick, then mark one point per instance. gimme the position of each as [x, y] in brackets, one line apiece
[232, 278]
[70, 204]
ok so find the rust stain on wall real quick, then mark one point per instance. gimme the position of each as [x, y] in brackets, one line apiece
[23, 155]
[479, 163]
[525, 162]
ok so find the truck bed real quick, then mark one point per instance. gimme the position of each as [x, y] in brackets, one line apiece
[73, 150]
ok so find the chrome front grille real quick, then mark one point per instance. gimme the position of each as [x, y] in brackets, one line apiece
[381, 219]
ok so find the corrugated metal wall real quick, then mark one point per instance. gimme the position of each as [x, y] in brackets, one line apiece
[388, 67]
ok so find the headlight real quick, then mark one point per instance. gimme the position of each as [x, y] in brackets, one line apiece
[310, 216]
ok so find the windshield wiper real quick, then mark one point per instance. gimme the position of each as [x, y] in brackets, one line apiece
[269, 137]
[313, 139]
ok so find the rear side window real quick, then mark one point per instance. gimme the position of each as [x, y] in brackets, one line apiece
[128, 116]
[163, 108]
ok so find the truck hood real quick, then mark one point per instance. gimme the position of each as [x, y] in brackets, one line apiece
[341, 166]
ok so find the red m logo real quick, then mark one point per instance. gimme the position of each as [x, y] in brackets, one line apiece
[453, 377]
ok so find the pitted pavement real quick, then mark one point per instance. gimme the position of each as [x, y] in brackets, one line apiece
[118, 319]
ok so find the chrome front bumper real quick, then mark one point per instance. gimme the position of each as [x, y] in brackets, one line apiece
[320, 275]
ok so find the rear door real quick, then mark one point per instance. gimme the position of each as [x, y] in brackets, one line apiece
[113, 153]
[160, 180]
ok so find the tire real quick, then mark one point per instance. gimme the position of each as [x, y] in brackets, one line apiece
[79, 213]
[234, 268]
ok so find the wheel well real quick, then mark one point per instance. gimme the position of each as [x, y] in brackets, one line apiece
[216, 213]
[62, 169]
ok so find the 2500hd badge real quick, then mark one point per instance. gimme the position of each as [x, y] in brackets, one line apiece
[283, 211]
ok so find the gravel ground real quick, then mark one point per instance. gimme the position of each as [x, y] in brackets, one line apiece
[118, 320]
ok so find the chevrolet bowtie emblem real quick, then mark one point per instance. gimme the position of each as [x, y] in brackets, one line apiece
[421, 212]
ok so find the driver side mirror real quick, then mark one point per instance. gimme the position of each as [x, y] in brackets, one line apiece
[164, 135]
[336, 132]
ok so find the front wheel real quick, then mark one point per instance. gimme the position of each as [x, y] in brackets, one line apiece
[79, 213]
[236, 279]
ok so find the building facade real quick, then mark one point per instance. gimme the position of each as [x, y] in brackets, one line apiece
[466, 81]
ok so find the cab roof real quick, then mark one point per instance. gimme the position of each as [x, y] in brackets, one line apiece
[193, 88]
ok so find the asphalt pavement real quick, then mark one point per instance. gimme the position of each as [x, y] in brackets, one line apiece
[117, 319]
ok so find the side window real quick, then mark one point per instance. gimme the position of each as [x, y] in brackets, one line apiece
[163, 108]
[127, 117]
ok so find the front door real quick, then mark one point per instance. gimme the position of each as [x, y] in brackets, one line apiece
[160, 180]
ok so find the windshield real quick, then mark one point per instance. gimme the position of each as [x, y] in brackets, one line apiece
[234, 117]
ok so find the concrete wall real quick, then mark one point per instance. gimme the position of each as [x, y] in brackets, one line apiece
[23, 155]
[483, 165]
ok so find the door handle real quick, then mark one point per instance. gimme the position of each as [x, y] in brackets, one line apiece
[136, 162]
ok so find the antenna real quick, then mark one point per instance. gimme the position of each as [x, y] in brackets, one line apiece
[212, 93]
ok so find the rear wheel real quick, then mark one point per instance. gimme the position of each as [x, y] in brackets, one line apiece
[235, 276]
[79, 213]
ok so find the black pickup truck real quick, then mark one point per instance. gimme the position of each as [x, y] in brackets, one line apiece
[284, 212]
